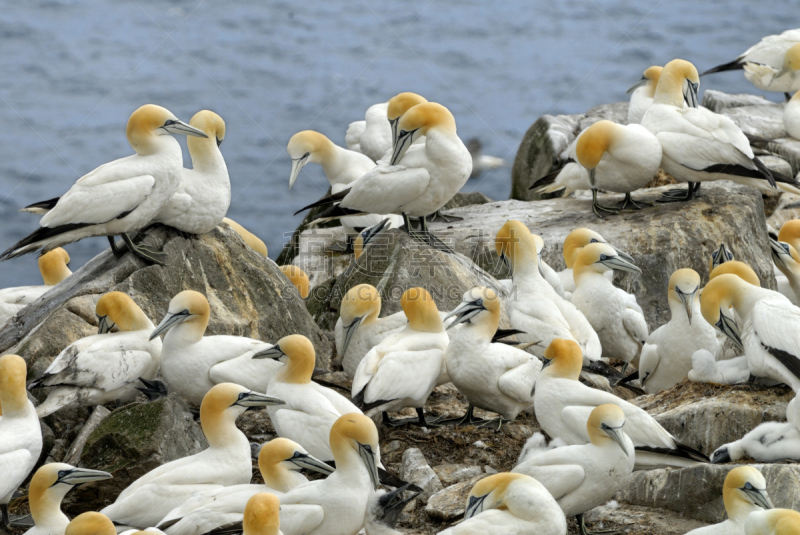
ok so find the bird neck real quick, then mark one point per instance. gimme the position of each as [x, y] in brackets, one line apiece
[205, 153]
[669, 91]
[298, 370]
[149, 144]
[132, 318]
[220, 430]
[737, 507]
[280, 478]
[45, 504]
[583, 274]
[188, 332]
[13, 396]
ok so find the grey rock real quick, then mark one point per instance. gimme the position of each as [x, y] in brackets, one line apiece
[450, 474]
[637, 519]
[416, 470]
[73, 456]
[450, 503]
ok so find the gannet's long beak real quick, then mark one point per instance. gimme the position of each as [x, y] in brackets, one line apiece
[309, 462]
[690, 94]
[624, 255]
[297, 164]
[474, 506]
[637, 85]
[104, 324]
[76, 476]
[616, 262]
[368, 456]
[404, 140]
[778, 250]
[394, 124]
[369, 234]
[464, 312]
[617, 435]
[720, 256]
[758, 496]
[254, 399]
[687, 299]
[349, 331]
[169, 321]
[392, 503]
[179, 127]
[730, 329]
[272, 353]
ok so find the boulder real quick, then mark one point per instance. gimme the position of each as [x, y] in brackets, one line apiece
[416, 470]
[450, 503]
[450, 474]
[626, 518]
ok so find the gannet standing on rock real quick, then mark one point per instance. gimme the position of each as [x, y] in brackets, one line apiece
[252, 241]
[20, 432]
[90, 523]
[54, 267]
[581, 477]
[192, 363]
[118, 197]
[226, 461]
[576, 240]
[772, 522]
[642, 93]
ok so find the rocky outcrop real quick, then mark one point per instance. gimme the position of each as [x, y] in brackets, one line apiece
[417, 471]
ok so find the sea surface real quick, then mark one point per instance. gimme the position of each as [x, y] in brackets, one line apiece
[71, 73]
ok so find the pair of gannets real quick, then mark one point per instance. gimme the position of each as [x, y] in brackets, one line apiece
[377, 134]
[699, 145]
[563, 405]
[20, 432]
[252, 241]
[225, 462]
[54, 267]
[642, 93]
[772, 522]
[106, 366]
[120, 196]
[576, 240]
[581, 477]
[192, 363]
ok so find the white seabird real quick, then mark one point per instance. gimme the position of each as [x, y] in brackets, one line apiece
[375, 136]
[120, 196]
[54, 267]
[252, 241]
[791, 116]
[772, 522]
[576, 240]
[642, 93]
[787, 260]
[91, 523]
[706, 369]
[298, 278]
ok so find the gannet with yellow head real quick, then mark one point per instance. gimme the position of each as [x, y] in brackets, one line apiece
[252, 241]
[298, 278]
[576, 240]
[772, 522]
[120, 196]
[376, 136]
[226, 461]
[54, 267]
[398, 106]
[192, 363]
[90, 523]
[642, 93]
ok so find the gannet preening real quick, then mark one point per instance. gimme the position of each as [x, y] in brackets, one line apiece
[700, 145]
[534, 307]
[48, 487]
[576, 240]
[204, 193]
[787, 260]
[192, 363]
[563, 406]
[769, 334]
[744, 492]
[20, 432]
[377, 135]
[252, 241]
[568, 178]
[618, 158]
[494, 377]
[642, 93]
[226, 461]
[298, 278]
[735, 267]
[366, 236]
[54, 267]
[103, 367]
[667, 356]
[581, 477]
[120, 196]
[90, 523]
[771, 64]
[398, 106]
[262, 515]
[772, 522]
[720, 256]
[510, 504]
[279, 461]
[612, 312]
[406, 366]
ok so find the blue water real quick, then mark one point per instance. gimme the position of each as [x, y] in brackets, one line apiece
[71, 72]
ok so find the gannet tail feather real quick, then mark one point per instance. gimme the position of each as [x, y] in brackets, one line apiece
[41, 207]
[731, 66]
[326, 201]
[38, 239]
[681, 451]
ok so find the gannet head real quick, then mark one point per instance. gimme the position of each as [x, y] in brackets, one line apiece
[481, 307]
[149, 122]
[298, 278]
[117, 308]
[605, 423]
[490, 492]
[398, 106]
[516, 246]
[566, 359]
[361, 305]
[188, 307]
[735, 267]
[54, 266]
[91, 523]
[593, 143]
[599, 258]
[253, 241]
[773, 522]
[354, 432]
[679, 83]
[384, 508]
[417, 121]
[744, 491]
[308, 146]
[649, 78]
[281, 454]
[720, 256]
[785, 256]
[684, 285]
[790, 232]
[51, 483]
[581, 237]
[297, 354]
[366, 236]
[222, 404]
[421, 311]
[13, 396]
[718, 296]
[262, 515]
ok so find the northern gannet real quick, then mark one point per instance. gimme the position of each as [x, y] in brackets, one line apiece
[225, 462]
[642, 93]
[103, 367]
[192, 363]
[563, 405]
[298, 278]
[667, 356]
[787, 260]
[252, 241]
[534, 307]
[20, 432]
[700, 145]
[204, 193]
[493, 377]
[612, 312]
[377, 135]
[791, 116]
[309, 409]
[744, 492]
[262, 515]
[772, 522]
[510, 504]
[576, 240]
[398, 106]
[120, 196]
[54, 267]
[706, 369]
[406, 366]
[769, 334]
[738, 268]
[90, 523]
[581, 477]
[49, 485]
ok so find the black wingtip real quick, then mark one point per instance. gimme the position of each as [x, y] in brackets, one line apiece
[387, 478]
[505, 333]
[325, 201]
[40, 234]
[49, 204]
[730, 66]
[681, 451]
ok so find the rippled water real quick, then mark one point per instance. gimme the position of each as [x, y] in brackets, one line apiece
[71, 72]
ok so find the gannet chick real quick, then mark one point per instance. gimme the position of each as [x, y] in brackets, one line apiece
[49, 485]
[772, 522]
[706, 369]
[406, 366]
[298, 278]
[582, 477]
[192, 363]
[700, 145]
[563, 405]
[612, 312]
[103, 367]
[384, 508]
[576, 240]
[20, 432]
[262, 515]
[510, 504]
[90, 523]
[769, 334]
[668, 354]
[744, 492]
[253, 241]
[54, 267]
[225, 462]
[787, 260]
[493, 377]
[204, 193]
[642, 93]
[534, 307]
[120, 196]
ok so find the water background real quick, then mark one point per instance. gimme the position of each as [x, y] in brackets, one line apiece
[71, 73]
